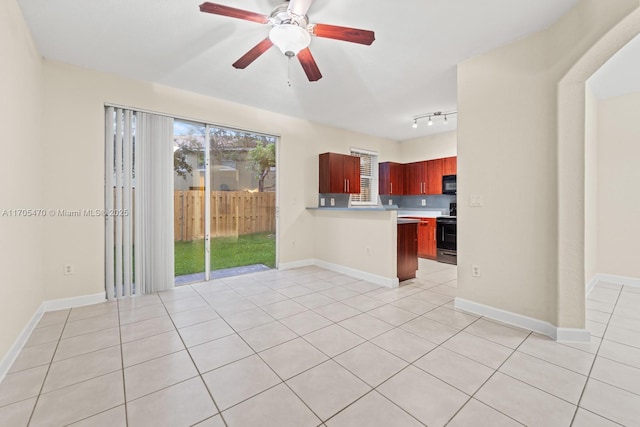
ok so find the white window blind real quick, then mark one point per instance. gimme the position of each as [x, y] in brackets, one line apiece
[368, 178]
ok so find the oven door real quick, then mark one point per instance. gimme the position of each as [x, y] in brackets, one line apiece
[446, 234]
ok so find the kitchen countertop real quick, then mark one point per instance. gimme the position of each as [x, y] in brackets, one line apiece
[420, 213]
[408, 221]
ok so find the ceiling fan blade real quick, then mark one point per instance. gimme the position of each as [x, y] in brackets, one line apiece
[253, 54]
[309, 65]
[353, 35]
[219, 9]
[299, 7]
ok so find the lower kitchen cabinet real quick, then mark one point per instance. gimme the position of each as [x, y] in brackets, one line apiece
[427, 238]
[407, 250]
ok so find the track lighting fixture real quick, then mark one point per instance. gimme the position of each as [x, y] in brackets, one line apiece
[432, 116]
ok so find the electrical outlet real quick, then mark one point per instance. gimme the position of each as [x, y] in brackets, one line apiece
[68, 269]
[333, 201]
[423, 202]
[322, 201]
[368, 250]
[475, 270]
[390, 202]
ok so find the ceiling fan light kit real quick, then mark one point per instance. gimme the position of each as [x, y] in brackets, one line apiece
[290, 32]
[290, 38]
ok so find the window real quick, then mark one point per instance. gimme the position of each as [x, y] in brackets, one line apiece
[368, 178]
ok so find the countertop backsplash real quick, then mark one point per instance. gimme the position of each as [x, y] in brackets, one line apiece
[434, 202]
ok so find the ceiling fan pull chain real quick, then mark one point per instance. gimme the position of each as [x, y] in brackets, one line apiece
[289, 70]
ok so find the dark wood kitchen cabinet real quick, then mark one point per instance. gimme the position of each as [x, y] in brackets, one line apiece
[391, 178]
[434, 176]
[427, 238]
[450, 166]
[407, 250]
[339, 173]
[415, 178]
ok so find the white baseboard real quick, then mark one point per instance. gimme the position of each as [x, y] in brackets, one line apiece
[52, 305]
[295, 264]
[61, 304]
[16, 348]
[536, 325]
[358, 274]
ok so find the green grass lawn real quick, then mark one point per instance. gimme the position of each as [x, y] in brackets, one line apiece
[226, 252]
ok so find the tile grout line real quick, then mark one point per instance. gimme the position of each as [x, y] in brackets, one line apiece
[124, 384]
[215, 404]
[33, 411]
[487, 380]
[594, 361]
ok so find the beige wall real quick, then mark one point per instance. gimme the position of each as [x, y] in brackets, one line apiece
[591, 186]
[20, 111]
[364, 241]
[618, 180]
[74, 122]
[428, 147]
[507, 153]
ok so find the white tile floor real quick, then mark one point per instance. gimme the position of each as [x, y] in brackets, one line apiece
[310, 347]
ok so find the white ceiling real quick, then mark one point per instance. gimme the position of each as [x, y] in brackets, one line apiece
[409, 70]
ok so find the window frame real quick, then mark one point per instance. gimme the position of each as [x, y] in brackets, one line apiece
[373, 178]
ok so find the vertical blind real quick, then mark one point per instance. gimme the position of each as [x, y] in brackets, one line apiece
[138, 203]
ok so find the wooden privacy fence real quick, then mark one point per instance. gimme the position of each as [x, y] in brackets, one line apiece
[233, 213]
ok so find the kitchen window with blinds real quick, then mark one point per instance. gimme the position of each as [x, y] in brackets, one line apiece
[368, 178]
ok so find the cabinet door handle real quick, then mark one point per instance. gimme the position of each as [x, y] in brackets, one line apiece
[344, 185]
[434, 234]
[391, 184]
[348, 185]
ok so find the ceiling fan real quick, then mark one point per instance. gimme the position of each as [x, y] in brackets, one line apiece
[290, 32]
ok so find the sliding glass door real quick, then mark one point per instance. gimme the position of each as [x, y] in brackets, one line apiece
[225, 201]
[189, 168]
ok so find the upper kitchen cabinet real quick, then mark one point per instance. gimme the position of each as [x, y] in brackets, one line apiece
[434, 176]
[391, 178]
[450, 166]
[415, 178]
[339, 173]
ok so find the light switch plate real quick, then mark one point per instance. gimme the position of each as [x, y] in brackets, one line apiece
[475, 201]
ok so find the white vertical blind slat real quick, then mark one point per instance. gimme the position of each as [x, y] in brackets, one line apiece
[139, 213]
[108, 202]
[126, 202]
[118, 201]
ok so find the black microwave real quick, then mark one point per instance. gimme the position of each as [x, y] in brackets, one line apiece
[449, 185]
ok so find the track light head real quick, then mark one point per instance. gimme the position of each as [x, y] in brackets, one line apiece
[415, 123]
